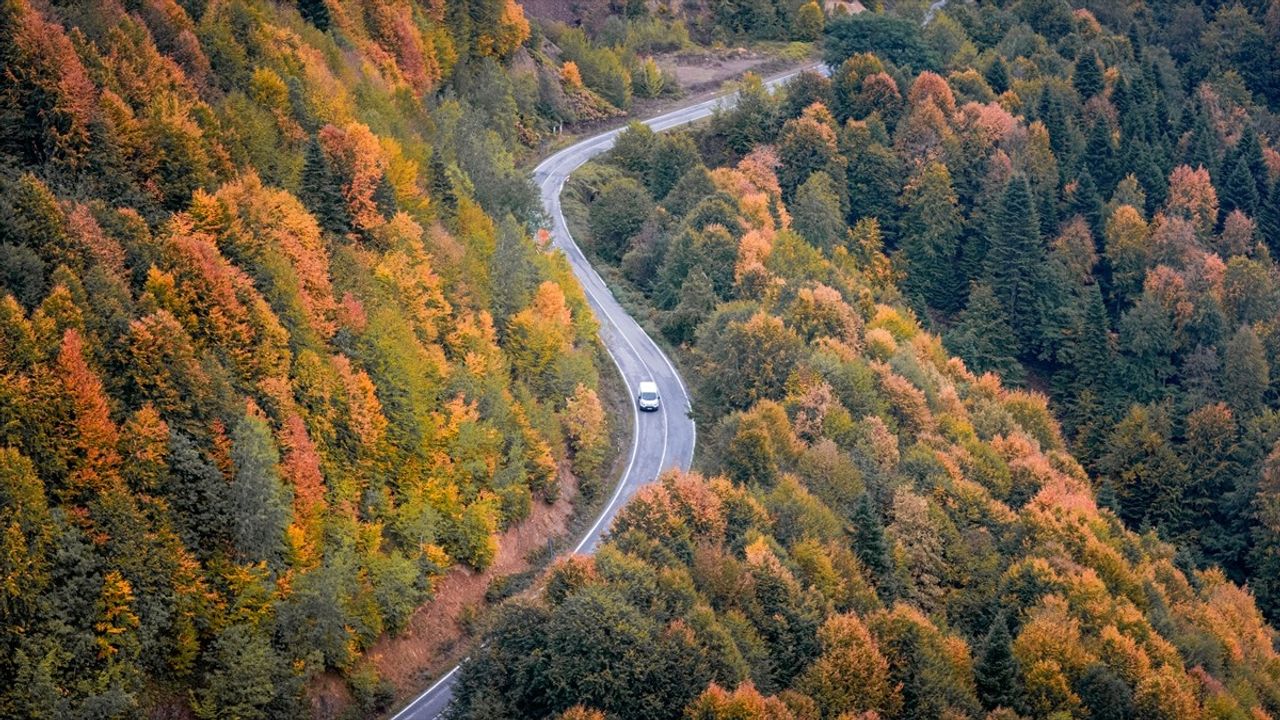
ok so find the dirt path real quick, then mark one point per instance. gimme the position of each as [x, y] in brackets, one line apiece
[432, 635]
[435, 637]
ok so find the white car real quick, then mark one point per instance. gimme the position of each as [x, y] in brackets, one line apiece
[648, 399]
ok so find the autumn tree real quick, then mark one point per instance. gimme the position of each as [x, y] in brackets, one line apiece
[745, 702]
[588, 431]
[746, 358]
[850, 675]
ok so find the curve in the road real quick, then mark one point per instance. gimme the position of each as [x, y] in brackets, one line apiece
[662, 440]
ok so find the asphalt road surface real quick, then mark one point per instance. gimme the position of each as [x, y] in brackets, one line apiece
[663, 439]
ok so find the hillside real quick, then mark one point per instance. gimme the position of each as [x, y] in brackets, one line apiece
[981, 333]
[279, 348]
[863, 275]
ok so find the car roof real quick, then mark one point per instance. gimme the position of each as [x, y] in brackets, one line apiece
[648, 385]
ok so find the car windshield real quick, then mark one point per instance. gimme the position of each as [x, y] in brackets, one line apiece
[648, 396]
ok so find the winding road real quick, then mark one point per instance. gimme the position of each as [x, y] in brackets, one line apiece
[664, 439]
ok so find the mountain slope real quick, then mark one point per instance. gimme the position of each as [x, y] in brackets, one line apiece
[877, 531]
[279, 350]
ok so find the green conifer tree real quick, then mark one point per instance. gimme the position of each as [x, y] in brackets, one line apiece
[1249, 148]
[873, 178]
[1202, 150]
[1265, 557]
[996, 672]
[1099, 156]
[868, 540]
[697, 301]
[930, 228]
[1086, 201]
[384, 196]
[1015, 262]
[1092, 356]
[816, 213]
[439, 183]
[673, 155]
[1269, 220]
[1087, 77]
[1239, 191]
[997, 75]
[320, 191]
[1148, 476]
[259, 501]
[315, 12]
[1049, 110]
[983, 338]
[1245, 375]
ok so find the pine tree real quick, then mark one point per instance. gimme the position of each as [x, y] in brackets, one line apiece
[616, 215]
[873, 178]
[1148, 477]
[1151, 175]
[1211, 455]
[1049, 111]
[996, 672]
[384, 197]
[321, 193]
[997, 75]
[1087, 202]
[697, 301]
[1099, 156]
[816, 213]
[1265, 557]
[1239, 191]
[259, 500]
[868, 540]
[983, 338]
[1106, 695]
[1202, 150]
[1249, 149]
[633, 148]
[1092, 357]
[1015, 262]
[514, 261]
[673, 155]
[1147, 344]
[440, 183]
[1084, 353]
[315, 12]
[930, 229]
[1269, 220]
[1245, 374]
[1087, 77]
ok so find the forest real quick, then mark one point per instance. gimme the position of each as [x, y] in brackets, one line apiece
[981, 330]
[281, 343]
